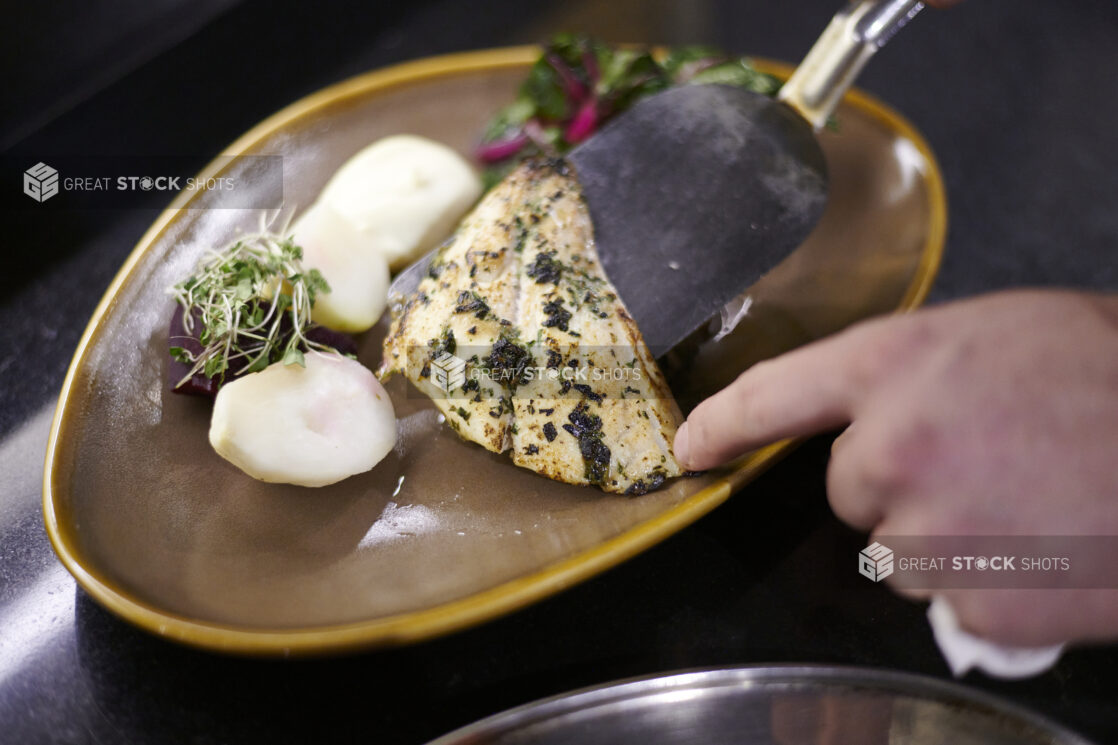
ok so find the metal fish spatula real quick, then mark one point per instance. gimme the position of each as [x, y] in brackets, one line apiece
[698, 191]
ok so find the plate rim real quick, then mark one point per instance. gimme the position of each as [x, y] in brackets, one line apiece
[506, 597]
[914, 684]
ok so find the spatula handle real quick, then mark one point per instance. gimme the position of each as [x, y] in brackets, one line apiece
[852, 37]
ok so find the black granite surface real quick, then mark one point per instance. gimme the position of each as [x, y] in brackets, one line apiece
[1019, 98]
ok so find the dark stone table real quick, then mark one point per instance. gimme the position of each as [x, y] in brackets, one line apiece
[1019, 99]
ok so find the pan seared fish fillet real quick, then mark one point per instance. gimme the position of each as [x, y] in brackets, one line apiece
[556, 371]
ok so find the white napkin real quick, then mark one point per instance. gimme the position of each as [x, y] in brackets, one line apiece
[964, 651]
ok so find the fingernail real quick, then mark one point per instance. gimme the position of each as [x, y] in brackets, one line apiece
[680, 447]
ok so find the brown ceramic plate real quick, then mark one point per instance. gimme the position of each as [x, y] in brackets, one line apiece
[442, 534]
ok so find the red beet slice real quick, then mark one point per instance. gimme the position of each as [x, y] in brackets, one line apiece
[198, 384]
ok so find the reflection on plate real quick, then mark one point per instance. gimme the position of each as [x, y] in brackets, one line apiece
[442, 534]
[783, 705]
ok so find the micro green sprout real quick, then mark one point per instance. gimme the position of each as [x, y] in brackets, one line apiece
[253, 299]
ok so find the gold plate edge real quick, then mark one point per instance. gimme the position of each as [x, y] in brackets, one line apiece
[506, 597]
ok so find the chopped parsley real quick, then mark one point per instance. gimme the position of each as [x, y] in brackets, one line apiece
[557, 315]
[471, 302]
[546, 269]
[587, 429]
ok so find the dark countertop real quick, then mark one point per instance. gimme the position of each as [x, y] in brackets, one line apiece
[1017, 97]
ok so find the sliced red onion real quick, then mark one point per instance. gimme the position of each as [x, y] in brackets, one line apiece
[590, 64]
[583, 124]
[575, 90]
[494, 152]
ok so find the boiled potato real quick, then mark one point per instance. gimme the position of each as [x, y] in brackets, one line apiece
[404, 192]
[311, 426]
[353, 267]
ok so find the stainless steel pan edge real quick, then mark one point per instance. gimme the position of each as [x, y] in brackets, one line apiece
[685, 684]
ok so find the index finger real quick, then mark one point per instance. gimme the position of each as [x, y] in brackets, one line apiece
[806, 391]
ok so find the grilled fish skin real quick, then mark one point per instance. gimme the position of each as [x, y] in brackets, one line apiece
[555, 370]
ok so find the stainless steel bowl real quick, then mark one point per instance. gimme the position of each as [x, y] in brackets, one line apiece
[782, 705]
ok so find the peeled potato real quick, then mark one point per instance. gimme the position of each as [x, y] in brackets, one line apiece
[406, 193]
[353, 267]
[310, 426]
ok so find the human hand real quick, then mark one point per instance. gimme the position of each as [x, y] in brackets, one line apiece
[993, 416]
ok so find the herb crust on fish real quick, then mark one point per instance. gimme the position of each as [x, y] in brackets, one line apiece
[520, 340]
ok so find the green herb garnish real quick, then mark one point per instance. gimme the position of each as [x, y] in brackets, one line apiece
[253, 300]
[579, 83]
